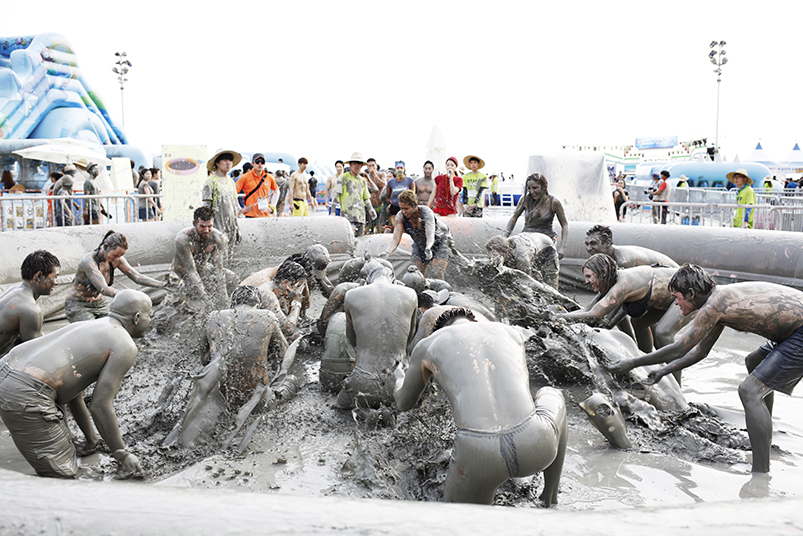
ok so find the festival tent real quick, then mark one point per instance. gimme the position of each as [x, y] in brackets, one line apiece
[758, 155]
[794, 158]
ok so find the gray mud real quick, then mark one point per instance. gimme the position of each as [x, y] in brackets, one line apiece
[308, 447]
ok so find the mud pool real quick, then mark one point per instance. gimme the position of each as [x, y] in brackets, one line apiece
[306, 447]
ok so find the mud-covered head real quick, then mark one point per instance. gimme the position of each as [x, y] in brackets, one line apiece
[690, 286]
[536, 186]
[133, 309]
[318, 256]
[452, 316]
[375, 269]
[246, 295]
[601, 272]
[113, 246]
[498, 248]
[291, 272]
[414, 279]
[40, 269]
[599, 239]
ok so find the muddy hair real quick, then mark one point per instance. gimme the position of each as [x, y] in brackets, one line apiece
[113, 241]
[497, 243]
[290, 271]
[536, 177]
[246, 295]
[203, 214]
[603, 231]
[38, 261]
[408, 197]
[425, 300]
[605, 268]
[447, 317]
[691, 280]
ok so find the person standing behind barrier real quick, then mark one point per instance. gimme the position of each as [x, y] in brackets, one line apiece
[746, 196]
[94, 278]
[259, 188]
[539, 210]
[65, 216]
[156, 185]
[443, 200]
[396, 186]
[425, 187]
[299, 188]
[331, 191]
[93, 208]
[355, 202]
[619, 199]
[660, 194]
[219, 194]
[376, 187]
[147, 205]
[474, 186]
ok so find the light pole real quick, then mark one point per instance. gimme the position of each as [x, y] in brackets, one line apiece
[717, 58]
[121, 70]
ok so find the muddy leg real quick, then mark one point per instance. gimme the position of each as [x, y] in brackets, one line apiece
[552, 401]
[759, 421]
[438, 268]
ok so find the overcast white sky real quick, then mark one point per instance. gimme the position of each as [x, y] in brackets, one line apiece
[502, 79]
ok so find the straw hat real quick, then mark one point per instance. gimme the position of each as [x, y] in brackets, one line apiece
[469, 157]
[356, 157]
[81, 163]
[740, 171]
[210, 164]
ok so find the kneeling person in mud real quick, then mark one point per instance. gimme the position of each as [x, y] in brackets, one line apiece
[241, 341]
[52, 371]
[198, 261]
[502, 433]
[532, 253]
[380, 321]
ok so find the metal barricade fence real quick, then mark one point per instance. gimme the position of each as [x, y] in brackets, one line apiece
[766, 216]
[22, 212]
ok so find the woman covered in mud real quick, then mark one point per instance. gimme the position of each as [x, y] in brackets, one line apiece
[642, 292]
[539, 210]
[95, 276]
[431, 236]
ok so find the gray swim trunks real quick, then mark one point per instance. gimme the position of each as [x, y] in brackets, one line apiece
[36, 423]
[78, 311]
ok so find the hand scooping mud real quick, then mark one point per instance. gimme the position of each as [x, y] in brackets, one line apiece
[654, 377]
[621, 365]
[129, 467]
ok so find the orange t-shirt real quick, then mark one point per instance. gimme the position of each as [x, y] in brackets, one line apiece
[247, 183]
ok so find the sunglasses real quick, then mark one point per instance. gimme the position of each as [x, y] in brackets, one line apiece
[260, 161]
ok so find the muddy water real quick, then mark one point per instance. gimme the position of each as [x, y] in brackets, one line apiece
[307, 447]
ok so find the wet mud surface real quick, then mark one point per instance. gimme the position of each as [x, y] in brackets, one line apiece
[307, 446]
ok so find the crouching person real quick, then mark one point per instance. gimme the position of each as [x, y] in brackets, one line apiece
[48, 372]
[501, 432]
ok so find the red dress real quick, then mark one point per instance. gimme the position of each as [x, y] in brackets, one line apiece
[445, 203]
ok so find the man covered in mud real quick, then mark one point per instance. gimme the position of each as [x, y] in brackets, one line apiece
[20, 316]
[380, 321]
[766, 309]
[599, 239]
[314, 260]
[502, 433]
[532, 253]
[241, 342]
[38, 378]
[198, 261]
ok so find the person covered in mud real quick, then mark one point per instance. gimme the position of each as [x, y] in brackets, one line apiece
[431, 236]
[198, 262]
[52, 371]
[380, 321]
[766, 309]
[220, 194]
[501, 432]
[94, 278]
[20, 317]
[242, 341]
[286, 296]
[532, 253]
[540, 209]
[599, 239]
[314, 260]
[642, 292]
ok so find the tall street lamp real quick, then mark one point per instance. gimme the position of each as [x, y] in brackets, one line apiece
[717, 58]
[121, 70]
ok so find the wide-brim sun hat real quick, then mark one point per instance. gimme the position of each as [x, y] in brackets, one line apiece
[471, 157]
[741, 171]
[82, 163]
[210, 164]
[356, 157]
